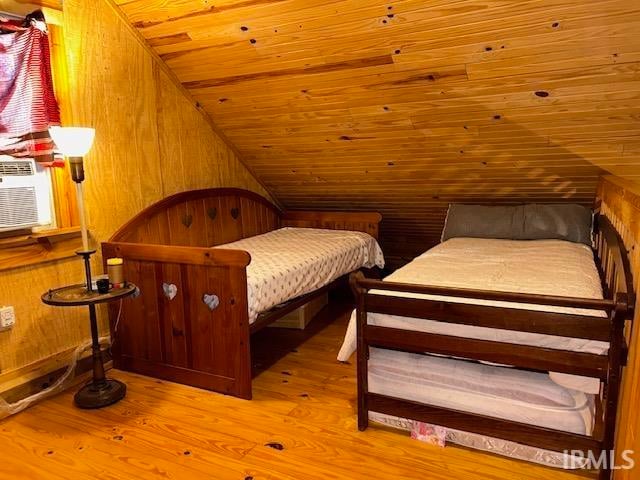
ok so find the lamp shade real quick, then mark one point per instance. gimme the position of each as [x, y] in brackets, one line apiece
[73, 141]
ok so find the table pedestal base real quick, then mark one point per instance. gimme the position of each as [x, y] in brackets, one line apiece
[100, 391]
[100, 394]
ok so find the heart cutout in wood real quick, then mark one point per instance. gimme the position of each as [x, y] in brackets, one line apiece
[211, 301]
[170, 290]
[235, 212]
[212, 212]
[187, 220]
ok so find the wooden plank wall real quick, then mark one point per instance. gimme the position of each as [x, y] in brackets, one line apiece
[620, 202]
[405, 105]
[151, 141]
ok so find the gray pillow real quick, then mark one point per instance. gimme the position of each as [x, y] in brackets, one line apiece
[560, 221]
[569, 222]
[482, 221]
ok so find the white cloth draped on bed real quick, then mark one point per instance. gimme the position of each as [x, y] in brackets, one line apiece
[499, 392]
[506, 393]
[290, 262]
[551, 267]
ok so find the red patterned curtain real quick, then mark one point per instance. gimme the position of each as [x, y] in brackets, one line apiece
[28, 106]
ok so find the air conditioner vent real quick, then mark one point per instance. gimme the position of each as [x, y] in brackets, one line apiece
[16, 169]
[18, 206]
[25, 194]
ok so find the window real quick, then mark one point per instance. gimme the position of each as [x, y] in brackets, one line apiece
[37, 203]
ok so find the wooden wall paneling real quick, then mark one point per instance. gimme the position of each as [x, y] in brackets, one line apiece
[115, 84]
[170, 135]
[64, 196]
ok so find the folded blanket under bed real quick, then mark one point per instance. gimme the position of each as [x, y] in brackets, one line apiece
[507, 393]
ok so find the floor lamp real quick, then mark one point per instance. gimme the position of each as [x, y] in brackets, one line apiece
[74, 143]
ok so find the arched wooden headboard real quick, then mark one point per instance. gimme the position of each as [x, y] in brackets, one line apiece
[201, 218]
[215, 216]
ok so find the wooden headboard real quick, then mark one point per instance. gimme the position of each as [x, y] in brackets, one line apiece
[215, 216]
[201, 218]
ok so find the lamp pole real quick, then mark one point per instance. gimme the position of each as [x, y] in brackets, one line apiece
[77, 174]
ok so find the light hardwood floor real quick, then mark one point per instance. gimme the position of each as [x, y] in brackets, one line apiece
[300, 425]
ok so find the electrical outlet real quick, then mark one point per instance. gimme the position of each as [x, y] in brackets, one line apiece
[7, 318]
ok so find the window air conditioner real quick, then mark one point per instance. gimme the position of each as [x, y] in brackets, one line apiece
[25, 194]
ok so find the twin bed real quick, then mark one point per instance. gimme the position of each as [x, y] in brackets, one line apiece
[552, 400]
[510, 346]
[199, 306]
[437, 341]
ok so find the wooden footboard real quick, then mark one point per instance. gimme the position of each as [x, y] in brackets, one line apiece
[612, 262]
[190, 323]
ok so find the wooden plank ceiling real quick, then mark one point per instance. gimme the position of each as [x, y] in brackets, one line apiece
[403, 106]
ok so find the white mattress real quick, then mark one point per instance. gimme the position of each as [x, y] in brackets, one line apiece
[510, 394]
[291, 262]
[552, 267]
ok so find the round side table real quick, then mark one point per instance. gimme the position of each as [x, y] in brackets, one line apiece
[100, 391]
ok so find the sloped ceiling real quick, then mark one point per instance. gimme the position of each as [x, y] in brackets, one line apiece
[403, 106]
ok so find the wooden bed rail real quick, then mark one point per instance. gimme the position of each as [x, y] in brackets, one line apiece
[564, 324]
[174, 254]
[553, 300]
[613, 263]
[374, 296]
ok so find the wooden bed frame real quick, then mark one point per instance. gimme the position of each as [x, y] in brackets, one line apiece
[611, 258]
[168, 244]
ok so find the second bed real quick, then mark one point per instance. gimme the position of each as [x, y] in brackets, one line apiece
[401, 377]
